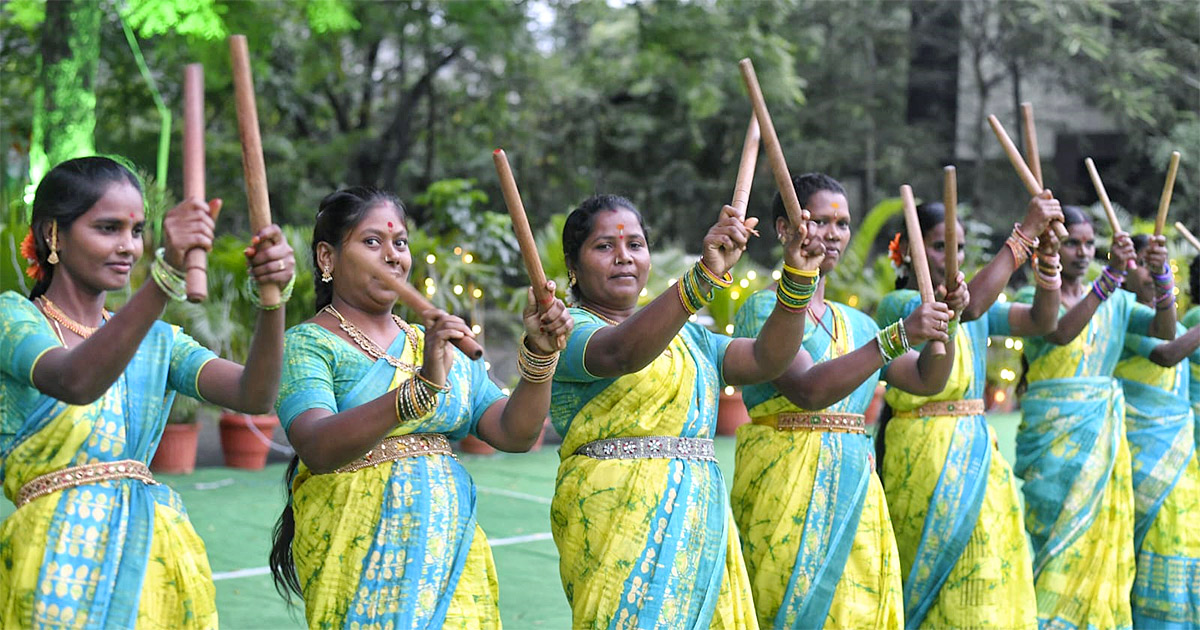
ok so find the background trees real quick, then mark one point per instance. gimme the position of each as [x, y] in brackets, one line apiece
[641, 98]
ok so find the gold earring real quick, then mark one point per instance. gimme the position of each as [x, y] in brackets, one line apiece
[326, 276]
[570, 278]
[53, 257]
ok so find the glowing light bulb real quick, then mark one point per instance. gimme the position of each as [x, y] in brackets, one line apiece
[776, 275]
[477, 293]
[853, 300]
[728, 329]
[468, 258]
[1018, 344]
[476, 328]
[458, 289]
[751, 274]
[431, 259]
[728, 390]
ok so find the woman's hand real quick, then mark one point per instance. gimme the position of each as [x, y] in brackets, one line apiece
[959, 299]
[1048, 244]
[928, 323]
[441, 328]
[1042, 210]
[726, 240]
[801, 252]
[1121, 253]
[270, 257]
[187, 226]
[546, 329]
[1156, 254]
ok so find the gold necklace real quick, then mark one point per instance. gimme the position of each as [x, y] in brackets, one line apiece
[373, 349]
[611, 322]
[59, 317]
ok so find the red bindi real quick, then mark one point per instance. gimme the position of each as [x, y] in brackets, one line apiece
[621, 231]
[389, 225]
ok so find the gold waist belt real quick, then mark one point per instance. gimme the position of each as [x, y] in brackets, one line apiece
[817, 421]
[399, 447]
[66, 478]
[973, 407]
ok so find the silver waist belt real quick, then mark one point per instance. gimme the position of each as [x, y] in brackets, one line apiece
[652, 447]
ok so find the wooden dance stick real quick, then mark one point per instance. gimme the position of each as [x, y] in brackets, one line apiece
[783, 179]
[516, 210]
[950, 200]
[1032, 183]
[1187, 235]
[916, 250]
[195, 262]
[1103, 194]
[255, 170]
[1032, 157]
[1164, 202]
[412, 298]
[745, 173]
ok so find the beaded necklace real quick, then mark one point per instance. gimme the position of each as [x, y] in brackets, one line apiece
[372, 348]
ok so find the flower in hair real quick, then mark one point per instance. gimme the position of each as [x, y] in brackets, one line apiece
[894, 252]
[29, 252]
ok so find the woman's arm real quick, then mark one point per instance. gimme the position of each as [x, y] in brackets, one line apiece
[253, 388]
[513, 425]
[987, 285]
[1171, 353]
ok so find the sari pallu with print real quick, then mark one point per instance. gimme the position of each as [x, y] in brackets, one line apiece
[811, 511]
[952, 496]
[645, 542]
[1190, 320]
[1166, 486]
[112, 554]
[394, 544]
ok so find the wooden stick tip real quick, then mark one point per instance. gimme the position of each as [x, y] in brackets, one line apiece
[949, 168]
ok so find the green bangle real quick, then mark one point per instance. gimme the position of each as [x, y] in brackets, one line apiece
[285, 294]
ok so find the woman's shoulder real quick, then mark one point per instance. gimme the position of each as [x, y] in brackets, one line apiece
[13, 303]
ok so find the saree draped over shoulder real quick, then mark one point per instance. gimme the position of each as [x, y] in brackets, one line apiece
[1190, 320]
[952, 496]
[1166, 488]
[814, 522]
[391, 545]
[1074, 458]
[109, 554]
[645, 542]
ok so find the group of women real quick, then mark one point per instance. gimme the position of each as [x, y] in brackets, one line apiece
[821, 526]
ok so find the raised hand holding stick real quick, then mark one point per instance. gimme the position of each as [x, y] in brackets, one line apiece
[916, 250]
[783, 179]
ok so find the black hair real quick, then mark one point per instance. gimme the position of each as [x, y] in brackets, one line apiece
[806, 186]
[1140, 241]
[281, 561]
[340, 212]
[64, 194]
[929, 215]
[1073, 215]
[582, 220]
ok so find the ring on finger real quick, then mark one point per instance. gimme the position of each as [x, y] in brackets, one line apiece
[280, 266]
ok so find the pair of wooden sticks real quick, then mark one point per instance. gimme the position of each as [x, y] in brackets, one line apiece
[196, 260]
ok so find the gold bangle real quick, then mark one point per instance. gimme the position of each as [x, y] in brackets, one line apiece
[803, 273]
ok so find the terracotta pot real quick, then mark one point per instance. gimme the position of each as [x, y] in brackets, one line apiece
[475, 446]
[176, 454]
[731, 413]
[246, 439]
[871, 417]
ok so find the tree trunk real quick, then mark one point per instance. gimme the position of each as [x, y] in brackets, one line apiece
[64, 115]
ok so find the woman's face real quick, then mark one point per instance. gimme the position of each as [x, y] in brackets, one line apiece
[935, 252]
[372, 257]
[829, 223]
[100, 247]
[614, 260]
[1078, 250]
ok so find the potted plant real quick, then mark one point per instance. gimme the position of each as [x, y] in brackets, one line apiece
[176, 453]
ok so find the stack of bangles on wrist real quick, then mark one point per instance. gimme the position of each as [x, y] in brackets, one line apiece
[892, 341]
[794, 296]
[533, 367]
[1047, 272]
[691, 285]
[169, 279]
[1021, 246]
[1164, 289]
[251, 289]
[417, 398]
[1108, 282]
